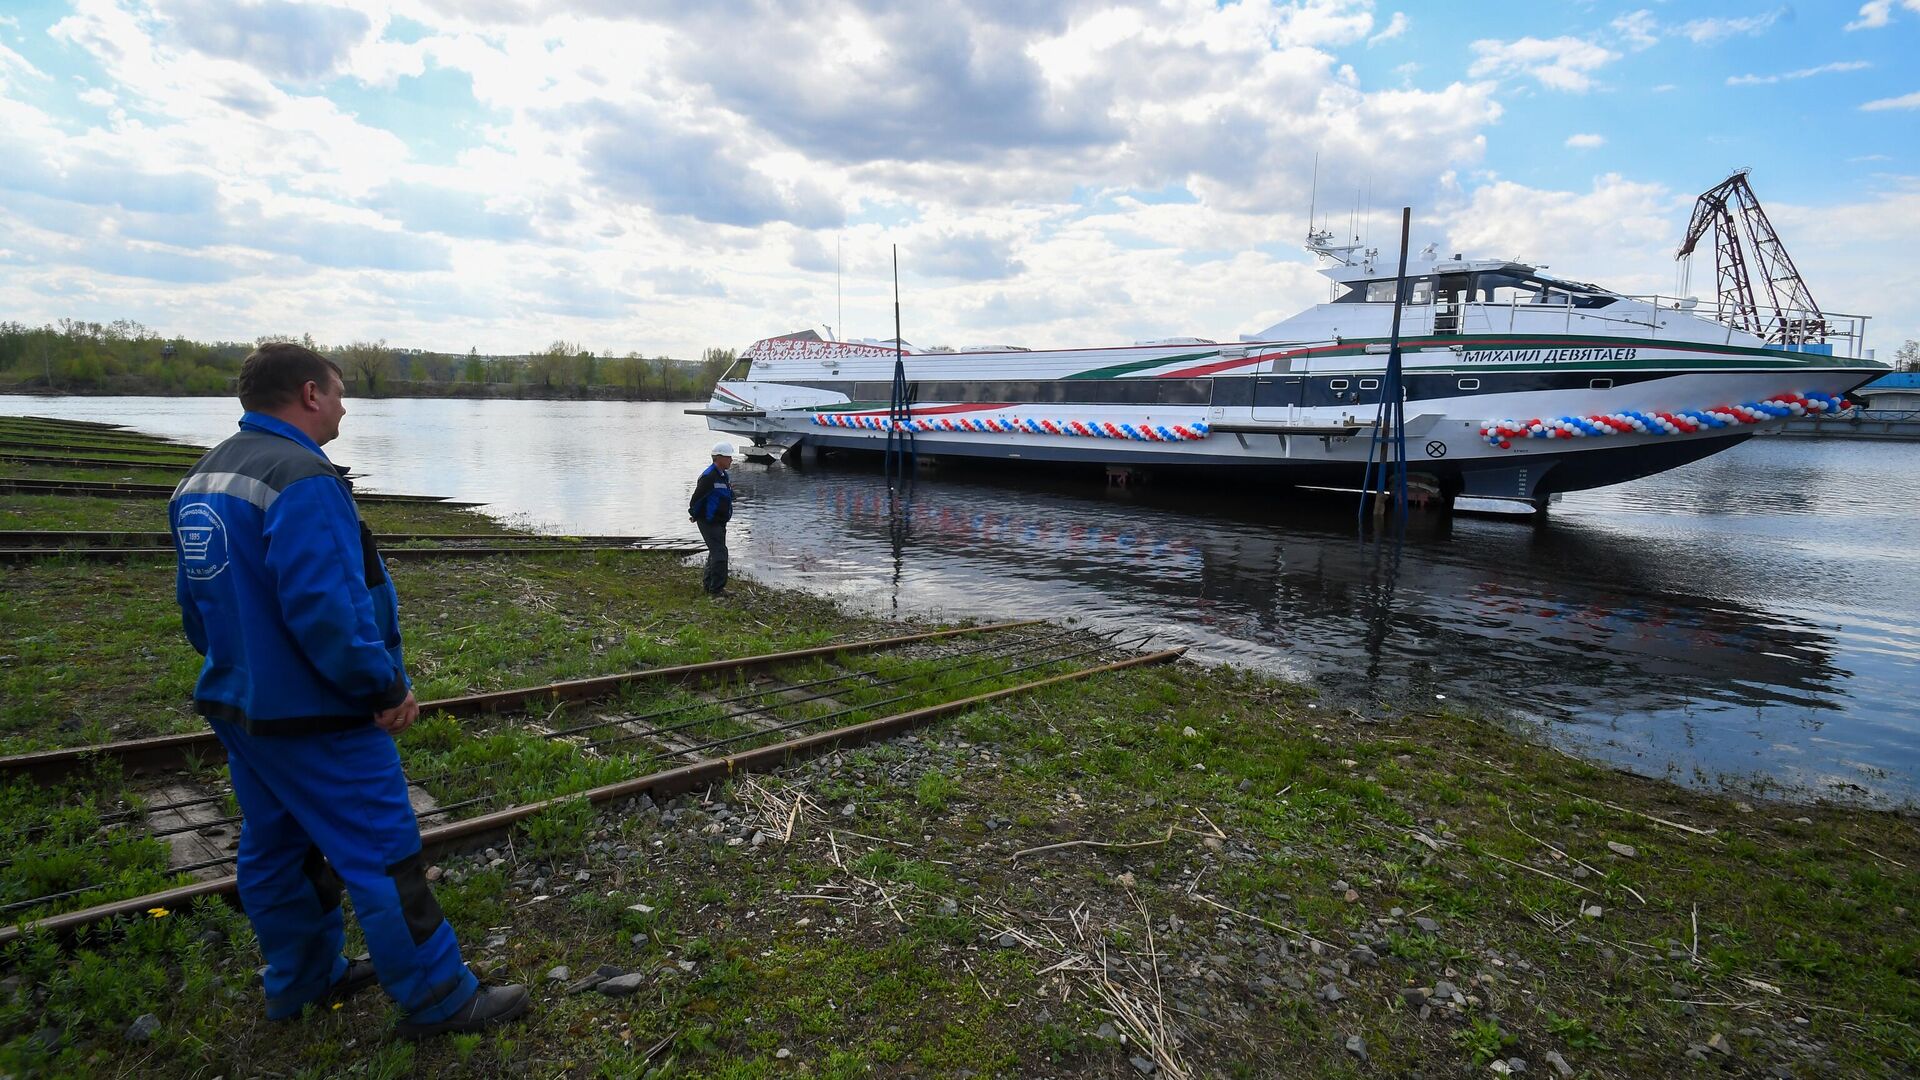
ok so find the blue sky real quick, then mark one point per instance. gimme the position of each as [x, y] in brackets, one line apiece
[667, 177]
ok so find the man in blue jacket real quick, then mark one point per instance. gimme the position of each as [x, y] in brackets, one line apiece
[282, 590]
[711, 508]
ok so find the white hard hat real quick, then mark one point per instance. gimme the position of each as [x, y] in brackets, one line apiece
[723, 449]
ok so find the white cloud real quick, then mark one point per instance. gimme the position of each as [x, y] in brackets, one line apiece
[1704, 31]
[1904, 101]
[1875, 14]
[669, 177]
[1395, 27]
[1586, 142]
[283, 39]
[1562, 63]
[1639, 28]
[1803, 73]
[13, 64]
[1622, 234]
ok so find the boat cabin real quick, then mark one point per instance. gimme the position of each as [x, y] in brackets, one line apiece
[1478, 283]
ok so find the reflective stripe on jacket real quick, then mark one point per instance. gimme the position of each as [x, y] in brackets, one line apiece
[282, 589]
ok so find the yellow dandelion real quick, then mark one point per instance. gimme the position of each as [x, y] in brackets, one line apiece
[158, 912]
[337, 1005]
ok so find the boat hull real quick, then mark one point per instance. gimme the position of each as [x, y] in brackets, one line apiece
[1487, 420]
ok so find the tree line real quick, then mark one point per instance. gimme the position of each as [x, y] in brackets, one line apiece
[124, 357]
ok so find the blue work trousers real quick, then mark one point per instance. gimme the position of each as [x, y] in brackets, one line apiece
[323, 812]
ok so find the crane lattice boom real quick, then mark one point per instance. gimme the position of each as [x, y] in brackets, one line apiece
[1733, 212]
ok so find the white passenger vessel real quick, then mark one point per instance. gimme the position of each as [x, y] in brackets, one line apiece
[1519, 384]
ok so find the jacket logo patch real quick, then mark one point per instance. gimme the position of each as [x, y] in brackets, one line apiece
[203, 541]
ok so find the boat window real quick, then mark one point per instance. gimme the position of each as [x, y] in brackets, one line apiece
[739, 372]
[1601, 384]
[1503, 287]
[1469, 384]
[1380, 292]
[1043, 391]
[1336, 384]
[1369, 384]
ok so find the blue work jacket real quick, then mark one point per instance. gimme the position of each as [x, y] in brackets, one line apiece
[712, 500]
[282, 589]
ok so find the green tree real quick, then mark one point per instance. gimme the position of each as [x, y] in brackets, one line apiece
[1908, 358]
[366, 363]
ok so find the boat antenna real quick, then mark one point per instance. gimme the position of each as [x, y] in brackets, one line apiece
[1313, 196]
[839, 328]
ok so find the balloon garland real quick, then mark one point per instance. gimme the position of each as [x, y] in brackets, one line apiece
[1009, 425]
[1501, 433]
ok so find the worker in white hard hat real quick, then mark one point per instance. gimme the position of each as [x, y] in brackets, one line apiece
[711, 508]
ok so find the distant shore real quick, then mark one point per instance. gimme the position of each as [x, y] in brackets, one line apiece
[393, 389]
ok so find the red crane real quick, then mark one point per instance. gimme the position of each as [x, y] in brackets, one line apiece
[1732, 211]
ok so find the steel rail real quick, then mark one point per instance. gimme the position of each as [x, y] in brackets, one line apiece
[730, 740]
[33, 458]
[849, 710]
[660, 786]
[421, 781]
[1040, 639]
[45, 764]
[31, 537]
[668, 729]
[16, 439]
[117, 817]
[442, 810]
[113, 554]
[58, 421]
[27, 485]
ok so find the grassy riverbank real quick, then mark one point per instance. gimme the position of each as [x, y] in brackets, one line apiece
[1208, 871]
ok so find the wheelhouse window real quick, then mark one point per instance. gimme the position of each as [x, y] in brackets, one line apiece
[1503, 287]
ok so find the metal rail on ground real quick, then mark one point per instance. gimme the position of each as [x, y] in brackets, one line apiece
[25, 485]
[10, 538]
[424, 779]
[993, 646]
[168, 750]
[660, 786]
[91, 462]
[108, 554]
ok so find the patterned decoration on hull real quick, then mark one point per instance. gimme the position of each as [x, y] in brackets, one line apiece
[1501, 433]
[1010, 425]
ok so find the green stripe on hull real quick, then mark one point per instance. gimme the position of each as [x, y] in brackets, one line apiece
[1747, 356]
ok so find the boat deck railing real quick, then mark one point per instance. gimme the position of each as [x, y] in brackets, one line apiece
[1822, 332]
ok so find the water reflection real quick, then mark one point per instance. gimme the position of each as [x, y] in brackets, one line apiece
[1737, 616]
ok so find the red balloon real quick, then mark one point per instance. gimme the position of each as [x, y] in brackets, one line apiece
[1505, 445]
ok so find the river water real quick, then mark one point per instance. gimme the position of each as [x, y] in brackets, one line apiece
[1751, 619]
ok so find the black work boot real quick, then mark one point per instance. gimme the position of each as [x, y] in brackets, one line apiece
[488, 1007]
[358, 976]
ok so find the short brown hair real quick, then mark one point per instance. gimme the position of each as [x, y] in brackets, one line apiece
[271, 376]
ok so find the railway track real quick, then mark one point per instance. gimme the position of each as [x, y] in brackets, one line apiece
[704, 731]
[116, 490]
[103, 554]
[21, 538]
[36, 458]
